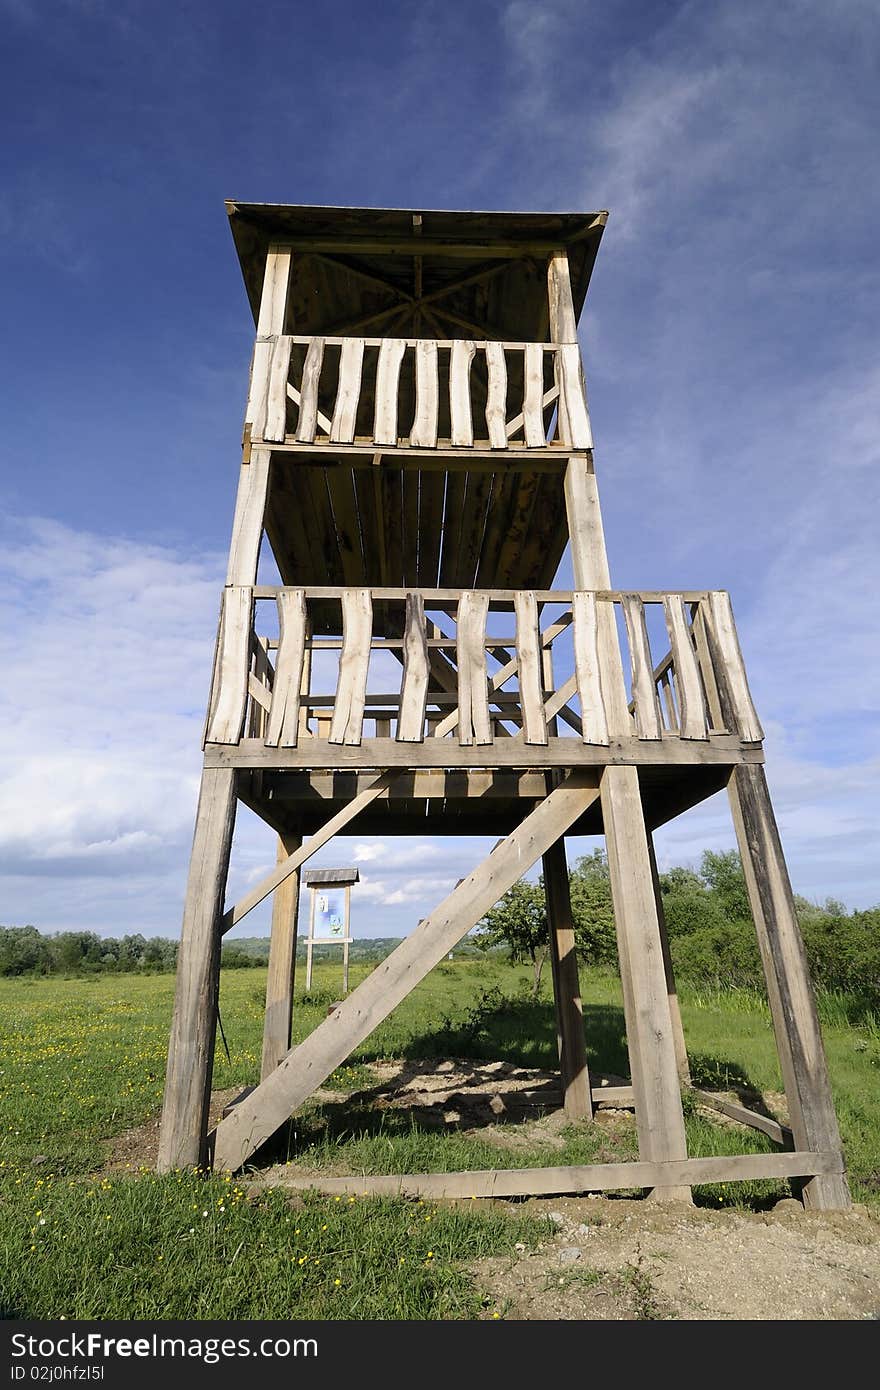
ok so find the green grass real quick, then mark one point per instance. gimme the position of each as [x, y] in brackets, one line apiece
[83, 1060]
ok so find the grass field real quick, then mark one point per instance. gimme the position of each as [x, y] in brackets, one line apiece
[83, 1061]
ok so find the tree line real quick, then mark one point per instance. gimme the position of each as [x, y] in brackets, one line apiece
[709, 923]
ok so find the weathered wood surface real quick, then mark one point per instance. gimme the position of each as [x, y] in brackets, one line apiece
[351, 362]
[274, 425]
[528, 653]
[461, 418]
[533, 397]
[729, 667]
[424, 431]
[229, 692]
[474, 726]
[414, 689]
[647, 710]
[496, 397]
[283, 727]
[681, 1056]
[309, 415]
[387, 379]
[692, 723]
[571, 1043]
[247, 525]
[780, 1134]
[357, 631]
[309, 1064]
[649, 1032]
[191, 1046]
[597, 1177]
[792, 1003]
[282, 962]
[594, 725]
[293, 862]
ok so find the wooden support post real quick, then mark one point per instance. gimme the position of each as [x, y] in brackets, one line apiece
[577, 1096]
[184, 1127]
[792, 1004]
[345, 944]
[681, 1057]
[282, 962]
[311, 938]
[649, 1033]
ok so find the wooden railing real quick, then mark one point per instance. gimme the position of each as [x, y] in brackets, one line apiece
[478, 667]
[418, 393]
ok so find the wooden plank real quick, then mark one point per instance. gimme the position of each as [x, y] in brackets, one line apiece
[647, 710]
[275, 426]
[594, 725]
[572, 398]
[414, 688]
[343, 503]
[230, 693]
[730, 668]
[559, 1182]
[294, 861]
[780, 1134]
[475, 726]
[432, 490]
[424, 431]
[681, 1057]
[273, 300]
[311, 380]
[533, 396]
[687, 672]
[722, 751]
[182, 1133]
[247, 525]
[309, 1064]
[391, 354]
[496, 395]
[528, 649]
[659, 1117]
[351, 364]
[502, 599]
[667, 695]
[282, 962]
[460, 413]
[571, 1044]
[282, 729]
[354, 661]
[789, 990]
[717, 714]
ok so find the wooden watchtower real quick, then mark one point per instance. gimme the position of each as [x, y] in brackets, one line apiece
[418, 454]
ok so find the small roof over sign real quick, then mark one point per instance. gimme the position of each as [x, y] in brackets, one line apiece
[330, 878]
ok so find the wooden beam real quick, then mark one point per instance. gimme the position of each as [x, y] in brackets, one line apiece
[566, 986]
[681, 1057]
[247, 525]
[294, 861]
[425, 246]
[790, 992]
[659, 1116]
[309, 1064]
[184, 1124]
[596, 1177]
[282, 962]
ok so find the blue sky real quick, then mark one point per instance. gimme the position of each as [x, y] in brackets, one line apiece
[730, 343]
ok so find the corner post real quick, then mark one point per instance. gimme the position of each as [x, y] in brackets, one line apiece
[790, 992]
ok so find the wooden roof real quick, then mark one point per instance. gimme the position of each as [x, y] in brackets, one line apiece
[331, 878]
[355, 262]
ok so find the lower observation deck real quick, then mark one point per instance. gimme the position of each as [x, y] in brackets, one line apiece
[473, 699]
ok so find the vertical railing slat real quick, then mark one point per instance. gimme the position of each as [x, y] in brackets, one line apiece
[346, 725]
[528, 649]
[460, 413]
[474, 725]
[230, 686]
[414, 687]
[730, 668]
[692, 722]
[351, 364]
[283, 727]
[533, 396]
[275, 427]
[496, 397]
[647, 711]
[594, 723]
[387, 386]
[424, 431]
[308, 402]
[574, 419]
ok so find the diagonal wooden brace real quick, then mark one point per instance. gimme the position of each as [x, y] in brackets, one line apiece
[307, 1066]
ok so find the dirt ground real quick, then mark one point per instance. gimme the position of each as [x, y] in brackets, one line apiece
[612, 1258]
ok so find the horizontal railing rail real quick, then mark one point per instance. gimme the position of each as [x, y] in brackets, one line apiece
[477, 667]
[418, 393]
